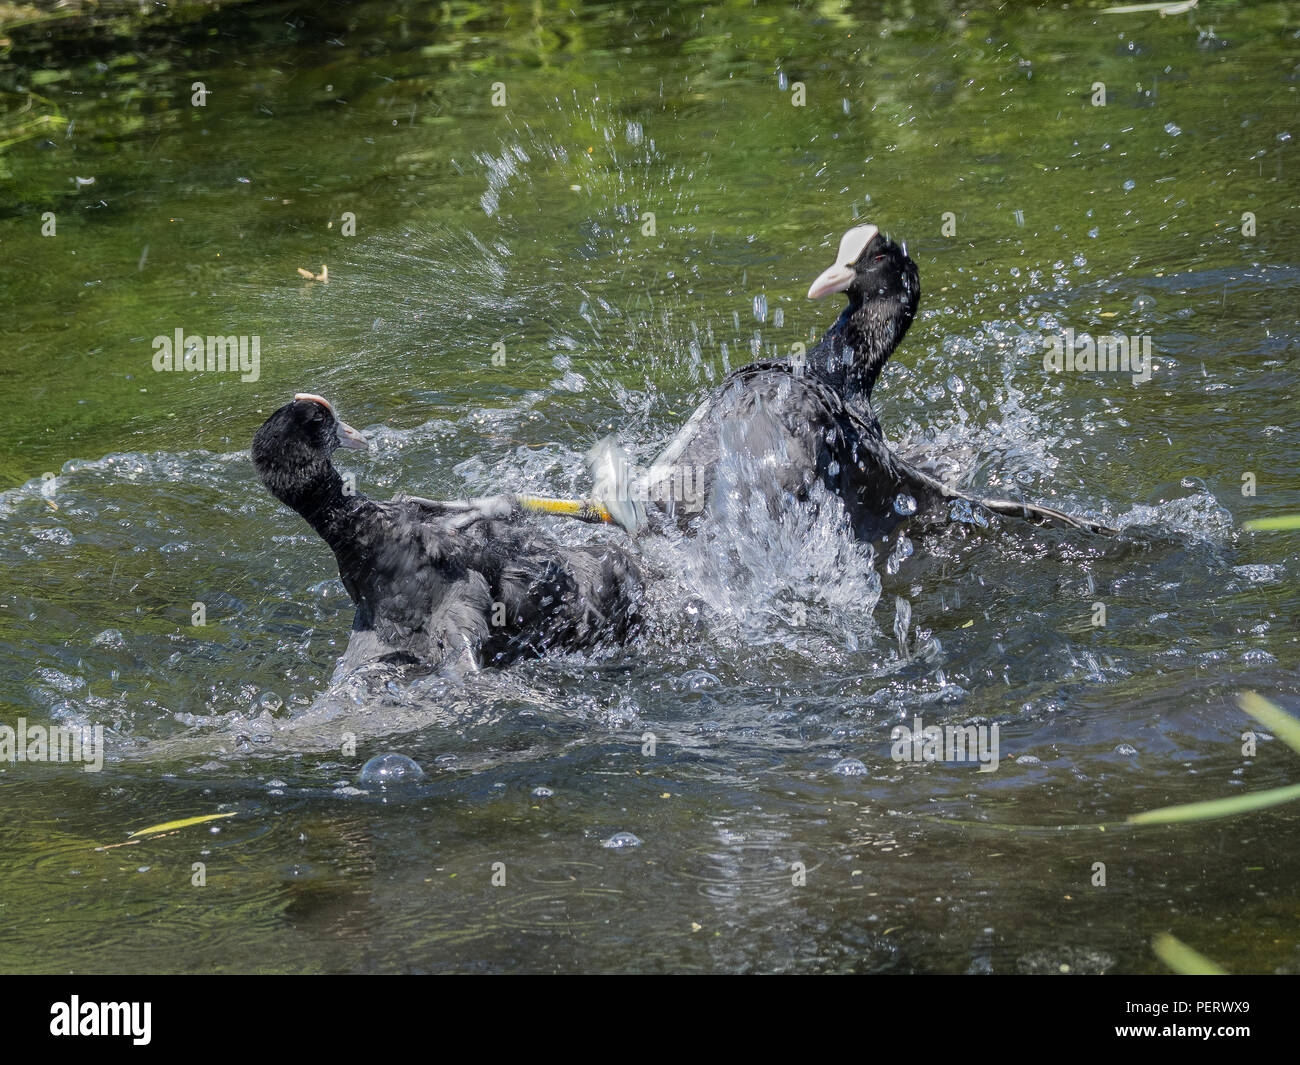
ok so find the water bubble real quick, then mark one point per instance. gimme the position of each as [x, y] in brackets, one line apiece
[698, 680]
[110, 638]
[1129, 185]
[269, 702]
[1143, 303]
[1126, 749]
[904, 504]
[619, 840]
[390, 771]
[849, 767]
[542, 793]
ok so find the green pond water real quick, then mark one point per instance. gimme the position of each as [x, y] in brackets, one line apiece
[477, 180]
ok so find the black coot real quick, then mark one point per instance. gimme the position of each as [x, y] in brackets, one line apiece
[462, 584]
[803, 421]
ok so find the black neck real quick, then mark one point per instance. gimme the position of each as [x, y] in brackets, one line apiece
[855, 349]
[321, 500]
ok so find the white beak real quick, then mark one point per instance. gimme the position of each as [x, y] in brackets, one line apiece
[349, 437]
[836, 279]
[840, 276]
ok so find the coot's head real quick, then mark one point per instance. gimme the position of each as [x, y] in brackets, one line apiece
[884, 289]
[871, 268]
[292, 449]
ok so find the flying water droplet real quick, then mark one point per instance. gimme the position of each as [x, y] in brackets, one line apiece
[902, 620]
[904, 504]
[901, 553]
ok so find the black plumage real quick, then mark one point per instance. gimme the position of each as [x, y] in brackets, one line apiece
[800, 421]
[463, 584]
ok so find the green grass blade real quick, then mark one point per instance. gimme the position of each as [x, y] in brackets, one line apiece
[1212, 808]
[185, 822]
[1273, 717]
[1183, 959]
[1286, 523]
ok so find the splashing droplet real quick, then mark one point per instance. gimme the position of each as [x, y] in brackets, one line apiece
[902, 620]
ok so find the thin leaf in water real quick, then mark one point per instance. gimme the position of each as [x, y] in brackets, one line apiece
[185, 822]
[1282, 724]
[1205, 811]
[1183, 959]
